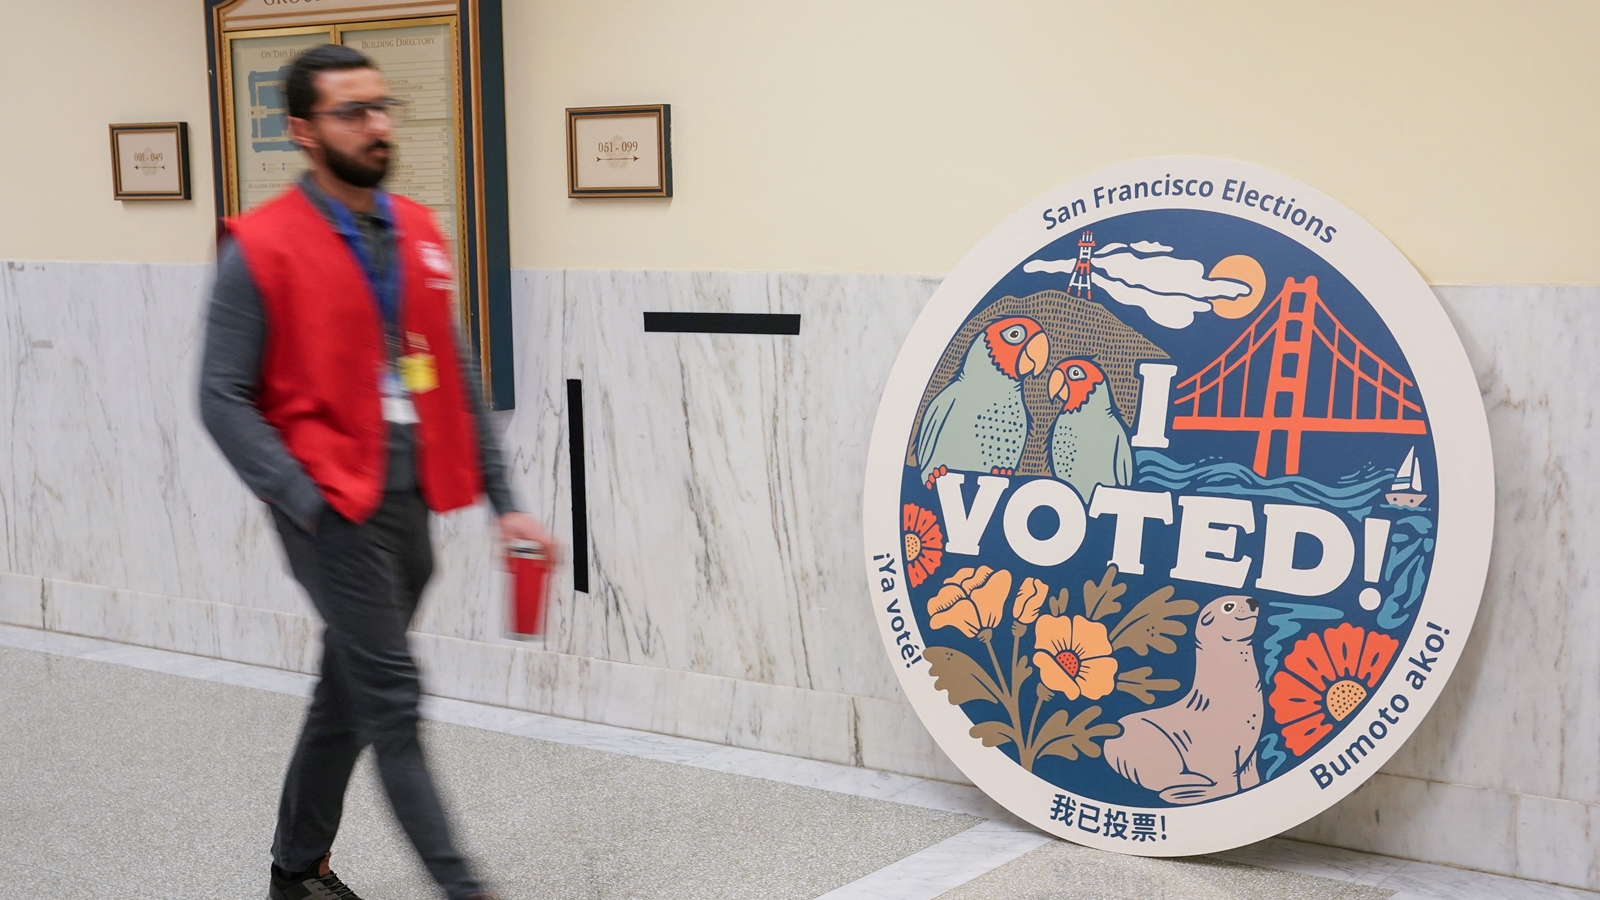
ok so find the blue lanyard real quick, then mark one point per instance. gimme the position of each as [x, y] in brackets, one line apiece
[385, 288]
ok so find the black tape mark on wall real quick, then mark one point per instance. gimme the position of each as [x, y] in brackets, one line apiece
[723, 323]
[580, 497]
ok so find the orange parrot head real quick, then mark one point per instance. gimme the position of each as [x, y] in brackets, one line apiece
[1072, 381]
[1018, 346]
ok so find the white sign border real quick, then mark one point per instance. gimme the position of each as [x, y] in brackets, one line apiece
[1465, 489]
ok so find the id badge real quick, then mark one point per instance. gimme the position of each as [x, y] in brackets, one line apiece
[418, 372]
[397, 406]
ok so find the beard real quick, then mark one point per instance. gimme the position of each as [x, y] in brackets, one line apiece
[352, 171]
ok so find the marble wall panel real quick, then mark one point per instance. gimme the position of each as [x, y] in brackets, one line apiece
[753, 495]
[133, 617]
[1555, 841]
[678, 464]
[724, 484]
[724, 496]
[100, 377]
[466, 597]
[653, 699]
[10, 338]
[1522, 712]
[21, 600]
[851, 331]
[117, 483]
[547, 354]
[241, 633]
[892, 739]
[96, 404]
[1417, 819]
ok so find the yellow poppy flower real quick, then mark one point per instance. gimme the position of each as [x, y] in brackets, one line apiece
[971, 600]
[1074, 657]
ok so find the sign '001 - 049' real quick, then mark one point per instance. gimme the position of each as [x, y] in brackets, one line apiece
[1178, 507]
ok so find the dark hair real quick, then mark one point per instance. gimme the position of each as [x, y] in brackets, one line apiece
[301, 85]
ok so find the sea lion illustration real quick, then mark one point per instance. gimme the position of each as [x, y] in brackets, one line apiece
[1203, 746]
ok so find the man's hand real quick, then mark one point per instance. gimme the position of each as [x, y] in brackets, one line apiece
[515, 526]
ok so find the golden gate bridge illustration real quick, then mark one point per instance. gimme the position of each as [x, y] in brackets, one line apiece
[1297, 330]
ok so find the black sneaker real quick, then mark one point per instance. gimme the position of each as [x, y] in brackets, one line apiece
[325, 887]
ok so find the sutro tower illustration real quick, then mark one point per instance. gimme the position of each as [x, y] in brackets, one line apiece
[1080, 286]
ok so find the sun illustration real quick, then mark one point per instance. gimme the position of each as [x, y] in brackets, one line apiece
[1243, 269]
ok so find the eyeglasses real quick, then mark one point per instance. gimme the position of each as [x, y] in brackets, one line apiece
[357, 115]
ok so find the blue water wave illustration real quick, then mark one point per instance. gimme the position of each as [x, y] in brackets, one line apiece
[1286, 626]
[1271, 755]
[1405, 568]
[1352, 494]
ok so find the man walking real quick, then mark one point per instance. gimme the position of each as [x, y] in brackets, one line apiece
[334, 382]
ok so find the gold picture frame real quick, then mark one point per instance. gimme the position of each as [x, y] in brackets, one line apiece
[619, 151]
[150, 161]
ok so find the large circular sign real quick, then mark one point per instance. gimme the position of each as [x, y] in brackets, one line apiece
[1178, 507]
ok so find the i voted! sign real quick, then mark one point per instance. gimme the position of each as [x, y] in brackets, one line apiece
[1178, 507]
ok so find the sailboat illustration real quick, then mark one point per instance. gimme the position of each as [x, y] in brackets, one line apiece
[1407, 488]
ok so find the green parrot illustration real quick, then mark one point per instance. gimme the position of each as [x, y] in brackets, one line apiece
[1088, 442]
[979, 423]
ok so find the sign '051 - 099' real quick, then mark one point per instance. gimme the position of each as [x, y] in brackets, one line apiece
[1178, 507]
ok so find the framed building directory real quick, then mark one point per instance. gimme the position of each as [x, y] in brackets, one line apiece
[444, 59]
[419, 61]
[263, 160]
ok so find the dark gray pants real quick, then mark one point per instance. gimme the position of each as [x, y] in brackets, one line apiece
[365, 580]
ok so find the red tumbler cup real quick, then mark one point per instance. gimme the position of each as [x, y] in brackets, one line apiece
[529, 565]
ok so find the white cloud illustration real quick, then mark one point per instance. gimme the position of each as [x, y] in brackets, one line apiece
[1171, 290]
[1171, 310]
[1146, 247]
[1168, 275]
[1053, 266]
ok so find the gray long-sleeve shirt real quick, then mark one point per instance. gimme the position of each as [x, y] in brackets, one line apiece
[230, 372]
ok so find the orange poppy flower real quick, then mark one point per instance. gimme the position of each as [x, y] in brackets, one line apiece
[1030, 600]
[924, 543]
[1327, 674]
[1074, 657]
[971, 600]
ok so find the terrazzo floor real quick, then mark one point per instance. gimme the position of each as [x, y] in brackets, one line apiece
[1066, 870]
[129, 772]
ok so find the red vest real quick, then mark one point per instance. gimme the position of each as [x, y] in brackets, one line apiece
[324, 354]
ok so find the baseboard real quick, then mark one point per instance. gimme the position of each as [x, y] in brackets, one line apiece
[1507, 833]
[842, 728]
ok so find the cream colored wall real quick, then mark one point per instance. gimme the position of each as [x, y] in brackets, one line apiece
[69, 69]
[889, 136]
[841, 135]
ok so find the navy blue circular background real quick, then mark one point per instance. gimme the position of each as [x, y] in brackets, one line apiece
[1355, 470]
